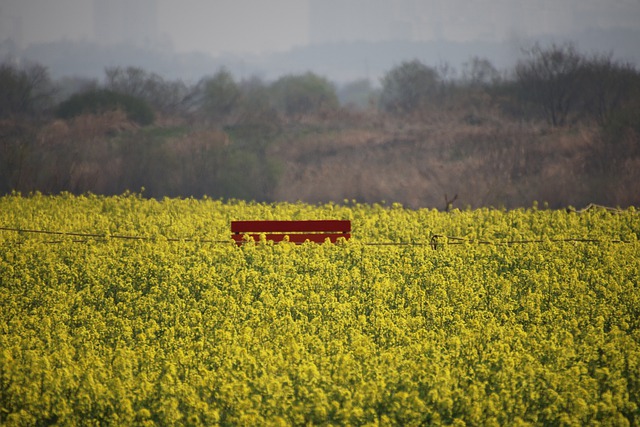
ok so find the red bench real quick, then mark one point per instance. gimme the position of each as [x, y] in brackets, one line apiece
[298, 231]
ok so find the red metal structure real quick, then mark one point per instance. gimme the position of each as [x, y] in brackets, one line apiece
[298, 231]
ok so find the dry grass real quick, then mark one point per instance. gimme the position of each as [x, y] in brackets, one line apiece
[497, 162]
[484, 158]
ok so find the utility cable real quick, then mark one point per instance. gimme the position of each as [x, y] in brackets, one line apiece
[436, 240]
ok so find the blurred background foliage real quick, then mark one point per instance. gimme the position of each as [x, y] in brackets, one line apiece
[562, 126]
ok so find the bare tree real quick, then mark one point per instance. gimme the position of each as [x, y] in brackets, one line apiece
[25, 91]
[479, 72]
[164, 96]
[607, 86]
[549, 79]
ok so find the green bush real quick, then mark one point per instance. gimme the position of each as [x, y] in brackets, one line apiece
[409, 87]
[101, 101]
[299, 95]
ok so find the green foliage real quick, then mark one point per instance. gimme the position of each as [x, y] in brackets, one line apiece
[358, 94]
[299, 95]
[121, 331]
[101, 101]
[247, 171]
[221, 96]
[16, 143]
[409, 87]
[256, 109]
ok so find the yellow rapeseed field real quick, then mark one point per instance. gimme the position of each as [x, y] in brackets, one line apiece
[143, 312]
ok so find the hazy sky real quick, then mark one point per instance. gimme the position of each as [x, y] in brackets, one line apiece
[262, 26]
[214, 26]
[234, 25]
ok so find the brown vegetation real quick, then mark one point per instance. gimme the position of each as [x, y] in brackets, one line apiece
[564, 129]
[499, 162]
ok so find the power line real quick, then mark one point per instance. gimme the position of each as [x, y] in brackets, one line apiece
[451, 240]
[109, 236]
[436, 240]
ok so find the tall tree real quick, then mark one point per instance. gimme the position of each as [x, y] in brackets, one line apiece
[220, 95]
[409, 87]
[549, 79]
[26, 91]
[479, 72]
[165, 96]
[298, 95]
[608, 85]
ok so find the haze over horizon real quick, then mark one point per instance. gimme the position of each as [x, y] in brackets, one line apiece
[254, 27]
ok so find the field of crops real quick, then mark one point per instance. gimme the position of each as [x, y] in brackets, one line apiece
[142, 312]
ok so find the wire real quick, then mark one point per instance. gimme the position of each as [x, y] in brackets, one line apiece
[437, 240]
[451, 240]
[105, 236]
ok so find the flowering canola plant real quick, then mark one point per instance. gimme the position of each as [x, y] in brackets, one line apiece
[181, 326]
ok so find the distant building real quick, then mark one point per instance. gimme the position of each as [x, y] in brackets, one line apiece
[126, 21]
[461, 20]
[347, 20]
[410, 20]
[11, 27]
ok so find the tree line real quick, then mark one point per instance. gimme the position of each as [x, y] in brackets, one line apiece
[555, 84]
